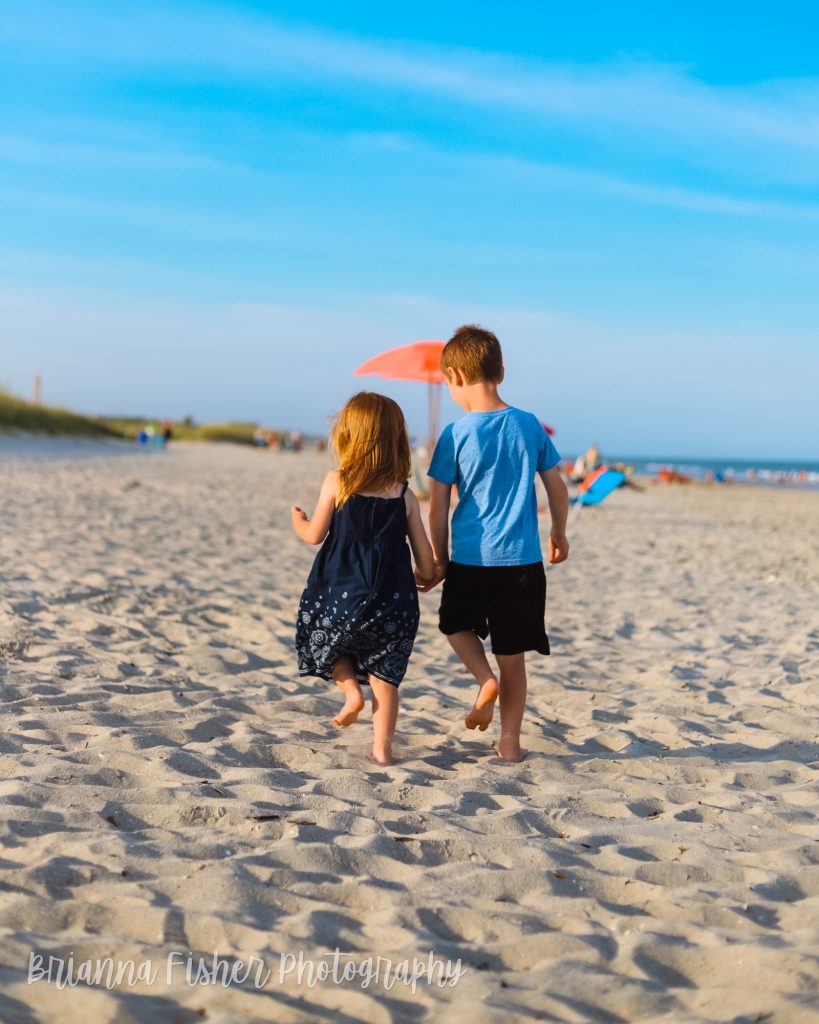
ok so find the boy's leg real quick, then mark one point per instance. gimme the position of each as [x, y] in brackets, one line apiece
[469, 648]
[512, 704]
[344, 675]
[385, 715]
[516, 624]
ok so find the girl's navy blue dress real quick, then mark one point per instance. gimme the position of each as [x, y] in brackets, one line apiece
[361, 600]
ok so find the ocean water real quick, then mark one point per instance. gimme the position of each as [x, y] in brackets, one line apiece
[796, 473]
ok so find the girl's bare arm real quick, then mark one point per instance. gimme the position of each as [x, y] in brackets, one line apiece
[440, 496]
[314, 530]
[419, 542]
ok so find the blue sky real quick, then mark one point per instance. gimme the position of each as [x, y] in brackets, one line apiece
[222, 208]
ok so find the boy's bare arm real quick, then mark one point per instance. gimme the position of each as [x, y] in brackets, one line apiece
[440, 496]
[559, 508]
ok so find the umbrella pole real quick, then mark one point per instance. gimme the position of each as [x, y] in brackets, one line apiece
[433, 414]
[429, 420]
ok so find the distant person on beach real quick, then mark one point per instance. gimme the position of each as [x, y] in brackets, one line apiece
[494, 584]
[358, 614]
[586, 464]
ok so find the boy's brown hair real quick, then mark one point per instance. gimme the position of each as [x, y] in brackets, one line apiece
[476, 353]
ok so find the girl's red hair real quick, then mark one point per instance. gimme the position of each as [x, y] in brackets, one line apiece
[372, 445]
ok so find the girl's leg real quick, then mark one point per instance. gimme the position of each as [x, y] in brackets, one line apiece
[512, 704]
[469, 648]
[385, 715]
[344, 675]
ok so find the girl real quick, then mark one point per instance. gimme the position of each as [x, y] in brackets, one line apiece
[359, 612]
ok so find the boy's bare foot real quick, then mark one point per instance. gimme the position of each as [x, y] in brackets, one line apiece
[381, 754]
[353, 706]
[481, 714]
[509, 749]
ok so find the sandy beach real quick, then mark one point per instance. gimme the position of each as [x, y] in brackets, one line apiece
[169, 784]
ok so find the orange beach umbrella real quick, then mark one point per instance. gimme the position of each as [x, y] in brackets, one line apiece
[419, 361]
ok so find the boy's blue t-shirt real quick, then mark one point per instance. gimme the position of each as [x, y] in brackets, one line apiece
[492, 458]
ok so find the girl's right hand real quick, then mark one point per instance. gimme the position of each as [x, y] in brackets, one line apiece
[297, 515]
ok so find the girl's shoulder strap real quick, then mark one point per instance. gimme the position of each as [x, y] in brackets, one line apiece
[404, 488]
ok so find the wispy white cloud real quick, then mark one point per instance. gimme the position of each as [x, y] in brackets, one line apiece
[166, 217]
[564, 176]
[670, 196]
[33, 150]
[549, 176]
[637, 96]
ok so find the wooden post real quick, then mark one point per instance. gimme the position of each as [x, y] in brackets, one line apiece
[37, 396]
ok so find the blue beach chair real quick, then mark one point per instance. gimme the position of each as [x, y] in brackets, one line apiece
[605, 482]
[609, 480]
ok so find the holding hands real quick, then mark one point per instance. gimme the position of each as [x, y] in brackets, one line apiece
[427, 583]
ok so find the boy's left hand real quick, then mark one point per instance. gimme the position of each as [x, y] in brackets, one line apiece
[558, 549]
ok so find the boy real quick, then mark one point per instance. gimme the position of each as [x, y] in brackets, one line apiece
[495, 583]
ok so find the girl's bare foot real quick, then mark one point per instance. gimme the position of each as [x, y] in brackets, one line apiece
[385, 714]
[382, 754]
[345, 677]
[509, 749]
[481, 714]
[353, 706]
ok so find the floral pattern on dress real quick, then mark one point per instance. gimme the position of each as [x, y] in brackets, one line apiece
[378, 640]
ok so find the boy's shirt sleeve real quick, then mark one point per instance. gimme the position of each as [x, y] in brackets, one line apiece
[548, 456]
[444, 466]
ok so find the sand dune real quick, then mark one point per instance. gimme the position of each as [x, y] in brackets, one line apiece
[170, 784]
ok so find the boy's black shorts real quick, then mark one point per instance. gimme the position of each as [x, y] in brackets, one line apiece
[505, 602]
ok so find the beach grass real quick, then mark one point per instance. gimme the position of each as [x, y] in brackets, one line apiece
[17, 414]
[233, 433]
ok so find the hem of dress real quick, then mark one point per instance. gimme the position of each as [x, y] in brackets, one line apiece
[362, 680]
[316, 673]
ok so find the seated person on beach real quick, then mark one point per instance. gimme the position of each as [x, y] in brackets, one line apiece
[585, 464]
[494, 584]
